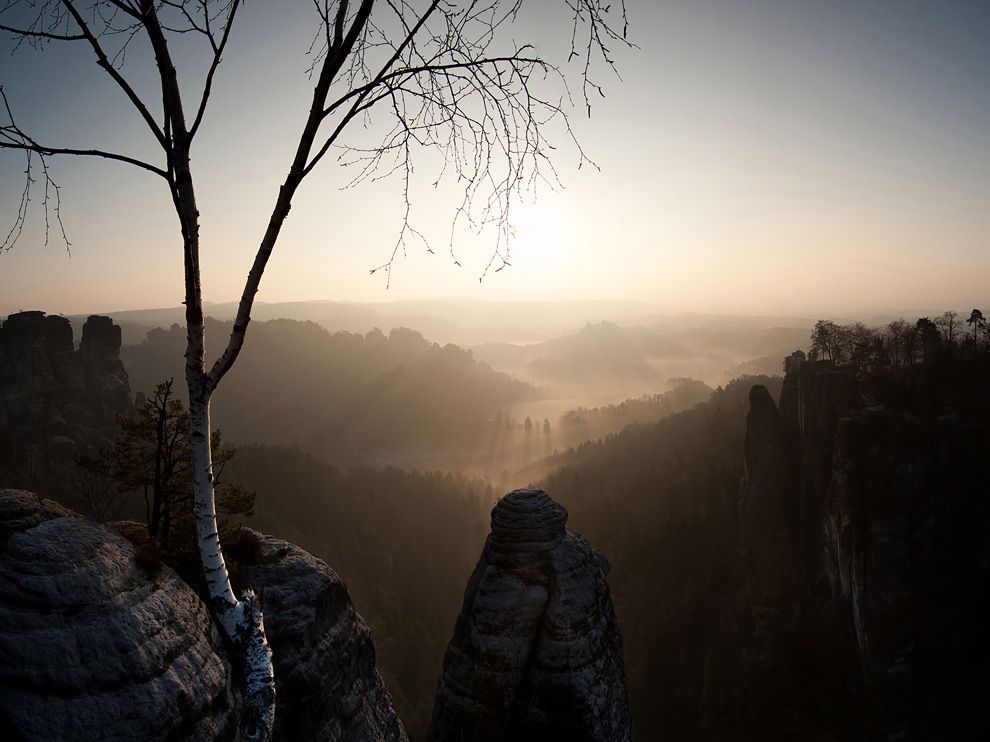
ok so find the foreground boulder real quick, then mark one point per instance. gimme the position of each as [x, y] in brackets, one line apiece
[536, 652]
[94, 645]
[97, 641]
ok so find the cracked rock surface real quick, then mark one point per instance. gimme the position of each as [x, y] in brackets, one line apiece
[95, 644]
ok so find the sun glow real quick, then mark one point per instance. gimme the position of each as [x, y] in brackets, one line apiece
[541, 236]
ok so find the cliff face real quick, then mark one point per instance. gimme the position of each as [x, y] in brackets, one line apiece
[768, 508]
[891, 547]
[56, 400]
[96, 643]
[536, 652]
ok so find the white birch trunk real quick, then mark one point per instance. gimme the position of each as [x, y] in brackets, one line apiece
[242, 620]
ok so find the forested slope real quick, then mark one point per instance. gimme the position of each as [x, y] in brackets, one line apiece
[347, 398]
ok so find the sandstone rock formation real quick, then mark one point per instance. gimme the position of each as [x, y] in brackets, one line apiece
[327, 684]
[93, 645]
[96, 642]
[536, 652]
[55, 400]
[769, 501]
[888, 571]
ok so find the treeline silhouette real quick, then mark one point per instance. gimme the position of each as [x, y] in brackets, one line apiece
[900, 343]
[521, 447]
[347, 398]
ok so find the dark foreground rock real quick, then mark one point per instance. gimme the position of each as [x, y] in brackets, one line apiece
[880, 582]
[327, 684]
[536, 652]
[98, 643]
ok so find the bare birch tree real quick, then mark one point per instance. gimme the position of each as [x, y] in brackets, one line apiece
[441, 76]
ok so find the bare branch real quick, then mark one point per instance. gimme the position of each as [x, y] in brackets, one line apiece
[26, 32]
[217, 55]
[114, 74]
[331, 66]
[40, 149]
[444, 90]
[13, 137]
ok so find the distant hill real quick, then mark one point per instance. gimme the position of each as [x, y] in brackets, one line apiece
[459, 321]
[638, 359]
[346, 398]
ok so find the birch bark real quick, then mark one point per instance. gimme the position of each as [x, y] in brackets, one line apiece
[242, 619]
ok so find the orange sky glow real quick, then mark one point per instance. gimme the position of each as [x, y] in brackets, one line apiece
[756, 157]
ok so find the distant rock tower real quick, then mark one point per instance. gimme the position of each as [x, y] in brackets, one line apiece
[794, 361]
[55, 400]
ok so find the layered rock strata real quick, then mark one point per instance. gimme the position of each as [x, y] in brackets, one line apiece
[100, 642]
[536, 652]
[94, 645]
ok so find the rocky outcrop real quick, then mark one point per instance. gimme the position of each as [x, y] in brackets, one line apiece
[536, 652]
[103, 371]
[55, 400]
[99, 641]
[95, 645]
[771, 595]
[327, 684]
[769, 502]
[889, 567]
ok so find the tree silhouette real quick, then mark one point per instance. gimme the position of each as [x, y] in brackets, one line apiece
[901, 338]
[976, 322]
[929, 335]
[443, 76]
[947, 324]
[823, 340]
[151, 455]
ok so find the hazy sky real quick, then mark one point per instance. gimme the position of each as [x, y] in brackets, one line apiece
[759, 155]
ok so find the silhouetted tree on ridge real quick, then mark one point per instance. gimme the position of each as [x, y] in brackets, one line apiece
[977, 322]
[898, 344]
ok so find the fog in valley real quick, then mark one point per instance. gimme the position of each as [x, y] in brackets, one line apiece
[450, 385]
